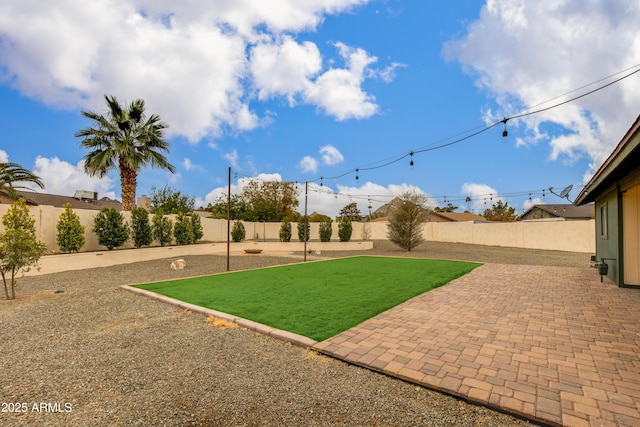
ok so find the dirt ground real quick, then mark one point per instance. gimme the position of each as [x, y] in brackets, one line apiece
[109, 357]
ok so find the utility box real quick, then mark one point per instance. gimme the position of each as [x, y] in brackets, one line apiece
[603, 268]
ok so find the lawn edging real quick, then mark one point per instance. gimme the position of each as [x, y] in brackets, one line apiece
[287, 336]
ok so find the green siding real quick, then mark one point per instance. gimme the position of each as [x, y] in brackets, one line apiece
[608, 240]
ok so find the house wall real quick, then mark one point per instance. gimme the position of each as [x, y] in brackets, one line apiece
[537, 213]
[631, 236]
[608, 233]
[574, 236]
[630, 228]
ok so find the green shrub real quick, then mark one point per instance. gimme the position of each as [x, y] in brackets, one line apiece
[111, 228]
[345, 229]
[162, 228]
[19, 248]
[70, 235]
[325, 231]
[196, 226]
[302, 225]
[285, 231]
[141, 232]
[183, 230]
[237, 232]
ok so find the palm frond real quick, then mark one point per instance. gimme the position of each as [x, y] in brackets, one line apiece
[12, 174]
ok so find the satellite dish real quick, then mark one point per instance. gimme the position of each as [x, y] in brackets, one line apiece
[564, 194]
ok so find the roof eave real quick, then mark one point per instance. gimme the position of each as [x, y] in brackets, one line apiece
[595, 185]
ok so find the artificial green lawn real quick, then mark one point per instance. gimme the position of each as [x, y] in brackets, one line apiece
[316, 299]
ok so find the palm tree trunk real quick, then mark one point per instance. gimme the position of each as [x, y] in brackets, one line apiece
[128, 182]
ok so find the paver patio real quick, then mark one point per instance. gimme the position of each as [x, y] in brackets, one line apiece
[549, 343]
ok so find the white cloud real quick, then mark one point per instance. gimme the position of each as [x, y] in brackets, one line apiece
[189, 166]
[524, 53]
[62, 178]
[389, 73]
[4, 157]
[308, 164]
[198, 64]
[331, 155]
[174, 178]
[284, 69]
[529, 203]
[338, 91]
[482, 195]
[287, 68]
[232, 157]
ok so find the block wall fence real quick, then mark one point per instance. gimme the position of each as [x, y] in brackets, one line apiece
[574, 236]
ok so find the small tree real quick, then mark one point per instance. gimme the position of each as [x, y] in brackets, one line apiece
[70, 236]
[325, 231]
[500, 211]
[141, 231]
[351, 212]
[111, 228]
[162, 228]
[183, 230]
[285, 231]
[303, 224]
[345, 229]
[237, 232]
[19, 247]
[316, 217]
[449, 208]
[171, 201]
[366, 231]
[196, 226]
[406, 218]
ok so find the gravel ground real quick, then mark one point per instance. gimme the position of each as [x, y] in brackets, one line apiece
[96, 355]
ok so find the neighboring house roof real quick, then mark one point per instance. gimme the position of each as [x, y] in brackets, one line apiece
[445, 217]
[57, 201]
[458, 216]
[566, 211]
[623, 160]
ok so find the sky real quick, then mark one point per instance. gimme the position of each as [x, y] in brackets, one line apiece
[333, 93]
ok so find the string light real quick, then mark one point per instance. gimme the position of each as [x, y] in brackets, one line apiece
[385, 198]
[475, 132]
[525, 112]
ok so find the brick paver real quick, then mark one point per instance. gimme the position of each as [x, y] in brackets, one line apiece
[550, 343]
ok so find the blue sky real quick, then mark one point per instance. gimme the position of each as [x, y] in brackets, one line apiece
[296, 90]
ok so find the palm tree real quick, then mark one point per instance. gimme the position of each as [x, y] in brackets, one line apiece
[125, 139]
[12, 173]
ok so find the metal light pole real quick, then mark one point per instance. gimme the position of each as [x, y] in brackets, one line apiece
[306, 194]
[228, 217]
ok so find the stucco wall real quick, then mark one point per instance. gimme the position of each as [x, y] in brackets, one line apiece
[576, 236]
